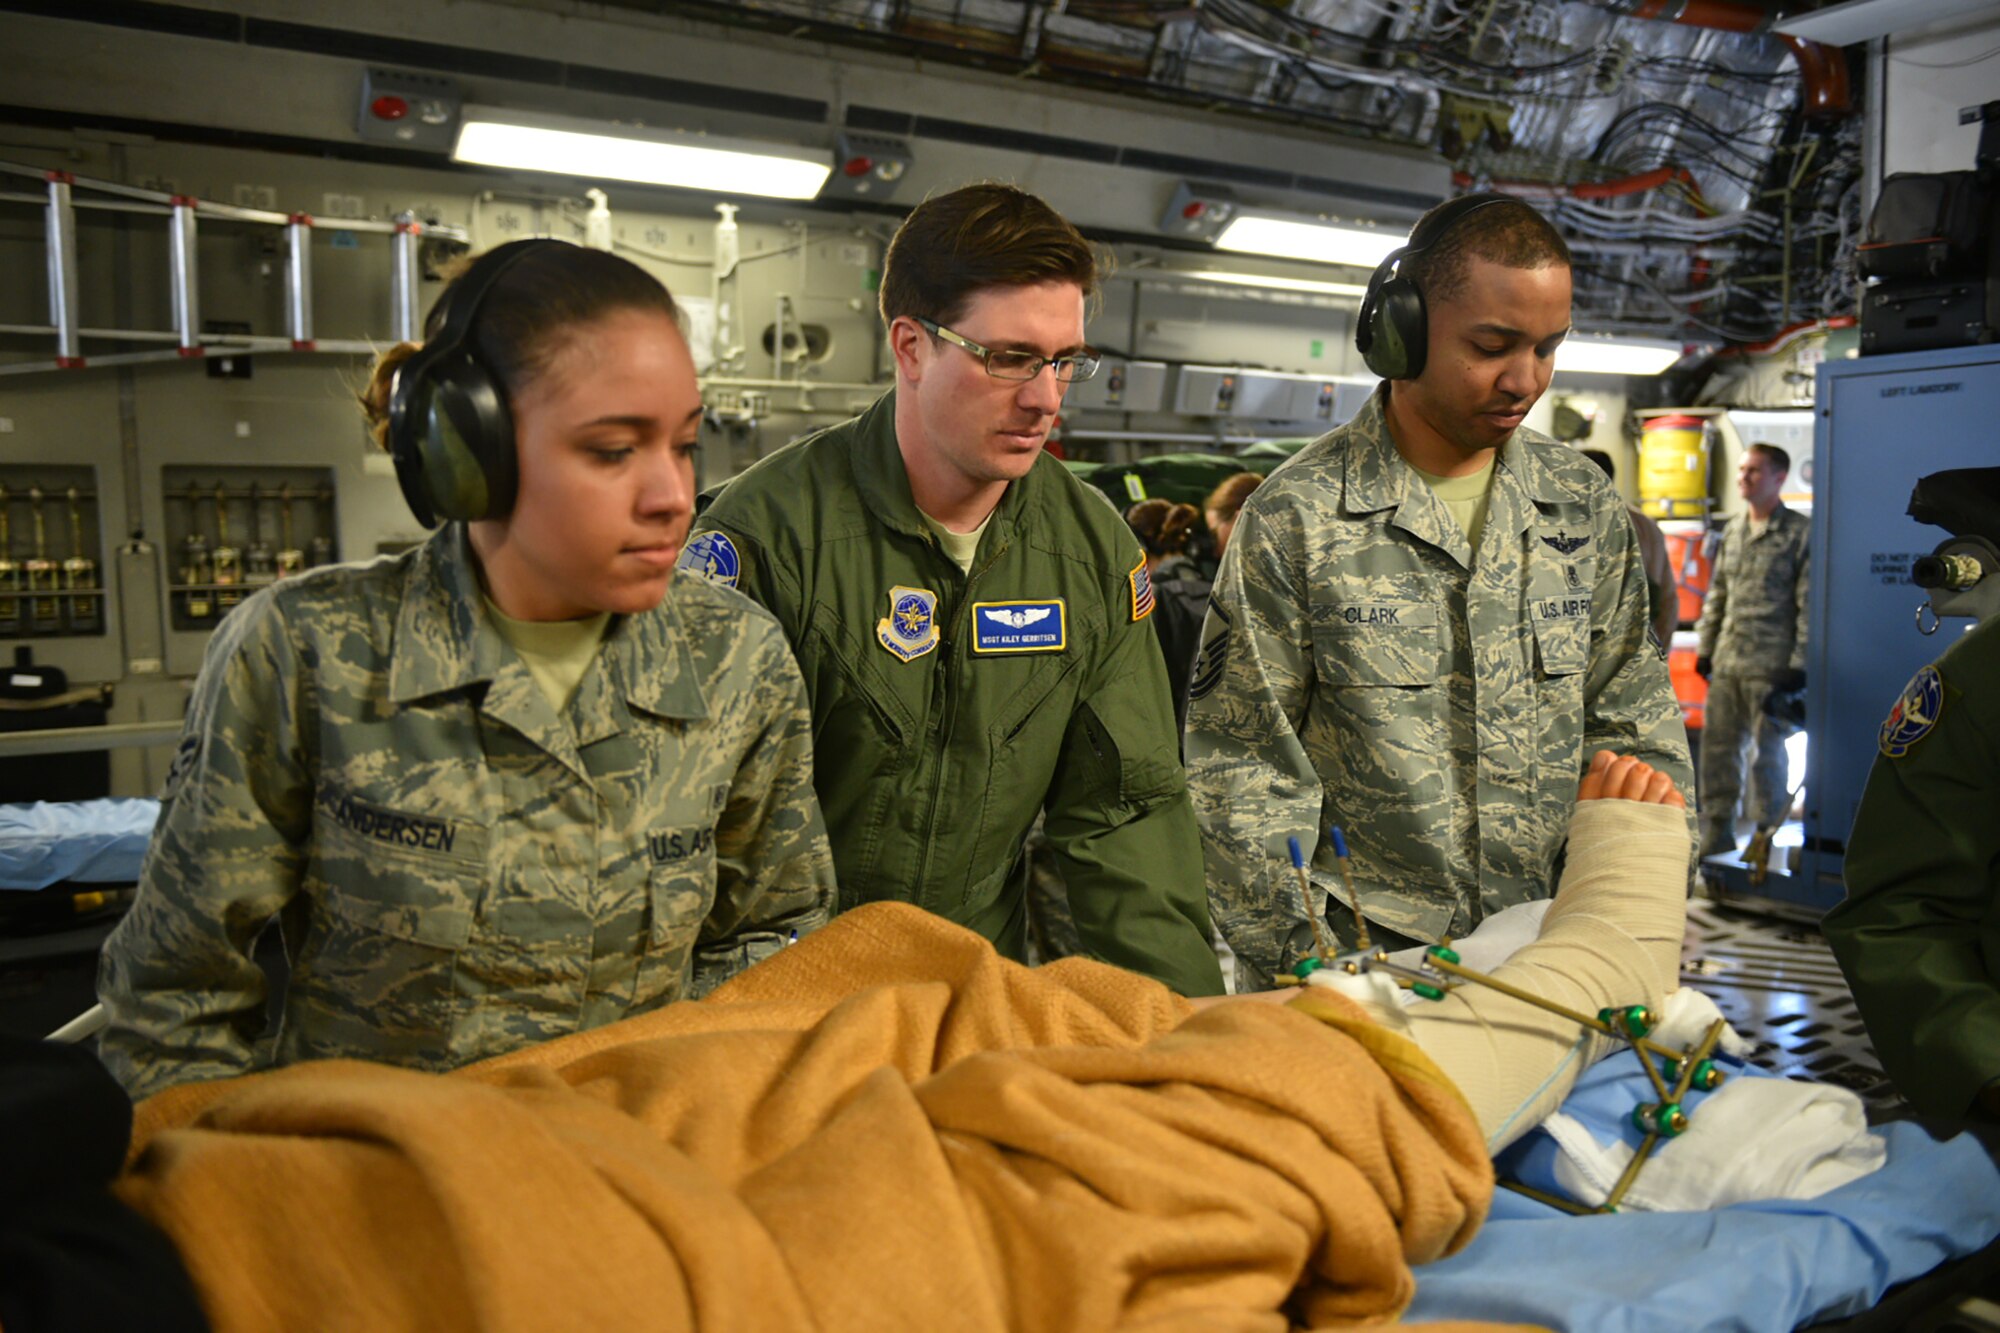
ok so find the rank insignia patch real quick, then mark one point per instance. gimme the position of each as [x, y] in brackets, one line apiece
[1915, 714]
[1141, 581]
[711, 556]
[910, 629]
[1212, 658]
[185, 757]
[1020, 626]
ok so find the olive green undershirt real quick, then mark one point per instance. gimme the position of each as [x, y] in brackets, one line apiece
[1466, 497]
[556, 652]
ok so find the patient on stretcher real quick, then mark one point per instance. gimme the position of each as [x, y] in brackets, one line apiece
[888, 1125]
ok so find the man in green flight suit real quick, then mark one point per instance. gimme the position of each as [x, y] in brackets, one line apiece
[1919, 932]
[967, 614]
[1425, 623]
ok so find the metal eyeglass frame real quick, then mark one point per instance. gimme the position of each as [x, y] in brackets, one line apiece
[1083, 364]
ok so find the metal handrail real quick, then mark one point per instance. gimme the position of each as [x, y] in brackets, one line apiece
[60, 202]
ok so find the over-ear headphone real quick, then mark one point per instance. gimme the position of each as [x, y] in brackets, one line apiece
[1393, 329]
[450, 430]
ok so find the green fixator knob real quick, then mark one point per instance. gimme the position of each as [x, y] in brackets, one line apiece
[1663, 1118]
[1670, 1069]
[1442, 954]
[1633, 1020]
[1306, 966]
[1707, 1078]
[1428, 992]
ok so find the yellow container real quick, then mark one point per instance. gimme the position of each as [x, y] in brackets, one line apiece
[1673, 467]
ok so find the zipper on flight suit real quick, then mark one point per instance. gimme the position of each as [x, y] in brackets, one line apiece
[948, 666]
[945, 710]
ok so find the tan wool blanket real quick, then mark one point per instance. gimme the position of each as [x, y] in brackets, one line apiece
[884, 1127]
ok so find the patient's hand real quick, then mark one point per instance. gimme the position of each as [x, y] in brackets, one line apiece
[1621, 777]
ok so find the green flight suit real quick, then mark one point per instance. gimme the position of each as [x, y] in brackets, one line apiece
[941, 729]
[1918, 934]
[1360, 667]
[457, 870]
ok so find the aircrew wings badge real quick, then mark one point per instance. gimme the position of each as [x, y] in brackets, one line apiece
[1141, 581]
[910, 629]
[1915, 714]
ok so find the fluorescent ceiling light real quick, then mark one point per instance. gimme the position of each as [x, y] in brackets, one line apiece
[1615, 356]
[1274, 283]
[1316, 241]
[526, 141]
[1861, 20]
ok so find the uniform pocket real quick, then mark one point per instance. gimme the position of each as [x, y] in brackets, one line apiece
[1381, 668]
[1562, 635]
[394, 901]
[1379, 643]
[409, 876]
[681, 888]
[858, 731]
[678, 900]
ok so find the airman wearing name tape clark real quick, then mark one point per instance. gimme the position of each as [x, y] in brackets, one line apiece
[968, 615]
[1425, 623]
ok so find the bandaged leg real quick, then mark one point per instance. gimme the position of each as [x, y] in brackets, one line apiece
[1611, 937]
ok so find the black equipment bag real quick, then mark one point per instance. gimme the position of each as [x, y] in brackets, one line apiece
[1933, 253]
[1918, 316]
[1928, 226]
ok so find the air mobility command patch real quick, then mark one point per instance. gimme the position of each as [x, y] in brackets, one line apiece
[712, 556]
[1141, 582]
[910, 629]
[1020, 626]
[1915, 714]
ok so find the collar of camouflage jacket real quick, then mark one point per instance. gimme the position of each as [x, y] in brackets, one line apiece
[884, 482]
[1782, 517]
[445, 641]
[1377, 476]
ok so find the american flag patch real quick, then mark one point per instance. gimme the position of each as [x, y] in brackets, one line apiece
[1141, 580]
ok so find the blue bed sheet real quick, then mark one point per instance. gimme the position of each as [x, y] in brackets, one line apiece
[92, 842]
[1771, 1265]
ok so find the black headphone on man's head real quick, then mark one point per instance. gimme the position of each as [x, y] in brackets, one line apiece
[1393, 329]
[450, 430]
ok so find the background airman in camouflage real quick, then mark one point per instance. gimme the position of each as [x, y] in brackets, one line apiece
[1752, 635]
[1366, 663]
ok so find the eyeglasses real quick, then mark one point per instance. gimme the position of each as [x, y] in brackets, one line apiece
[1008, 365]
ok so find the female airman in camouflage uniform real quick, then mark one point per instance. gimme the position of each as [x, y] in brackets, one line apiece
[506, 785]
